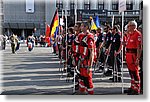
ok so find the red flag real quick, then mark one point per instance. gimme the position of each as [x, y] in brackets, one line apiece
[54, 25]
[47, 31]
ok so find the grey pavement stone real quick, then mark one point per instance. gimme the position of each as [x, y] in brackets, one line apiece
[37, 72]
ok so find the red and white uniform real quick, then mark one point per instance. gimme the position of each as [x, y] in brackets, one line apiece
[75, 49]
[86, 43]
[133, 41]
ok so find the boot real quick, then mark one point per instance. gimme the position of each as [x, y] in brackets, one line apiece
[133, 92]
[129, 90]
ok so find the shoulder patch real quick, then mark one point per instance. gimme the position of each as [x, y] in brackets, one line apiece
[91, 43]
[139, 38]
[84, 39]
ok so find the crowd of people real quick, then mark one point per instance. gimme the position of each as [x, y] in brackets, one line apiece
[82, 48]
[42, 41]
[15, 41]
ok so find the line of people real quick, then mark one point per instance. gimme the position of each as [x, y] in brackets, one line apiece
[87, 47]
[15, 42]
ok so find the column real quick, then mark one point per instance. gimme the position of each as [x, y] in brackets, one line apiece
[94, 4]
[8, 32]
[23, 35]
[66, 4]
[50, 7]
[80, 4]
[109, 5]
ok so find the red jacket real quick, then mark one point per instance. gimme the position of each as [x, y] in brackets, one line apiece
[133, 40]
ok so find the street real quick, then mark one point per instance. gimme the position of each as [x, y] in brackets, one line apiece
[37, 72]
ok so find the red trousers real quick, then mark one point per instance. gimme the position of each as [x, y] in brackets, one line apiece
[133, 71]
[85, 82]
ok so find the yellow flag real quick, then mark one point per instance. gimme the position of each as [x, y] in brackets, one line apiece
[93, 25]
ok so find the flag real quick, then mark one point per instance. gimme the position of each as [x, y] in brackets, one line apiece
[93, 25]
[54, 26]
[97, 21]
[47, 31]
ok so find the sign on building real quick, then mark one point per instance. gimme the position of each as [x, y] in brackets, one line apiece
[122, 5]
[30, 6]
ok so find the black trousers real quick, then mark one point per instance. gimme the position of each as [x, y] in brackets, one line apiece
[115, 60]
[141, 71]
[59, 51]
[13, 47]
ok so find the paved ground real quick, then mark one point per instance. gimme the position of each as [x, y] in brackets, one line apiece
[37, 72]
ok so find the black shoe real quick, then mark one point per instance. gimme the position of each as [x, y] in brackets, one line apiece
[114, 79]
[129, 90]
[98, 71]
[64, 70]
[111, 78]
[101, 68]
[133, 92]
[108, 73]
[77, 87]
[119, 79]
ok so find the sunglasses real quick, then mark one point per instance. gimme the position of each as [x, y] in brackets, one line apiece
[130, 25]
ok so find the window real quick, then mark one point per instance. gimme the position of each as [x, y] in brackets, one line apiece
[86, 5]
[129, 5]
[59, 5]
[100, 5]
[72, 6]
[141, 5]
[30, 6]
[115, 5]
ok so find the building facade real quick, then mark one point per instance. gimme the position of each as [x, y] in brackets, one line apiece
[26, 17]
[1, 16]
[105, 9]
[23, 16]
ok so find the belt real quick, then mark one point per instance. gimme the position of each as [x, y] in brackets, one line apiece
[82, 66]
[69, 45]
[131, 50]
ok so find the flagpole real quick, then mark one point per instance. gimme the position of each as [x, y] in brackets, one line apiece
[122, 8]
[122, 51]
[75, 11]
[66, 37]
[62, 14]
[113, 18]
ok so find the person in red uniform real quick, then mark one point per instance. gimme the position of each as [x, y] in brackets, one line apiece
[75, 43]
[86, 51]
[75, 51]
[133, 53]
